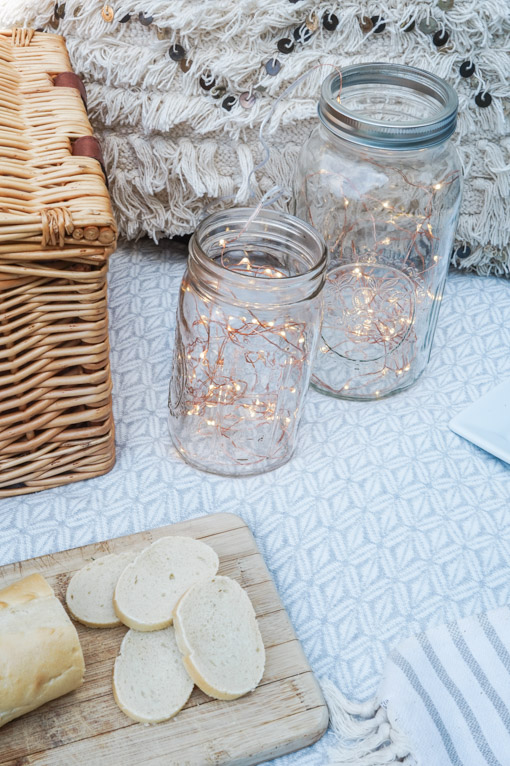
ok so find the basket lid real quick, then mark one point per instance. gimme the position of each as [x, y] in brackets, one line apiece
[53, 195]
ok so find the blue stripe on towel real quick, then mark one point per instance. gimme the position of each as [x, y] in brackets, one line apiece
[458, 698]
[413, 679]
[494, 640]
[479, 674]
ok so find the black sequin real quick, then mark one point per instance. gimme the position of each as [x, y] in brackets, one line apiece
[273, 66]
[285, 45]
[483, 99]
[176, 52]
[467, 69]
[409, 26]
[463, 252]
[228, 102]
[125, 19]
[145, 20]
[441, 38]
[378, 23]
[208, 82]
[330, 22]
[302, 34]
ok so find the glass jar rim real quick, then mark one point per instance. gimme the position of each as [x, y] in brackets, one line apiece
[270, 222]
[360, 129]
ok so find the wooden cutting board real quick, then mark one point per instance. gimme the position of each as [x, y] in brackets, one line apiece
[285, 713]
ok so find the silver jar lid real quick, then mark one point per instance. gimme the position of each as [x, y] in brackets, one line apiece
[440, 105]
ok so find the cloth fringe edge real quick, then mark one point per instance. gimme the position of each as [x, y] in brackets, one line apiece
[365, 736]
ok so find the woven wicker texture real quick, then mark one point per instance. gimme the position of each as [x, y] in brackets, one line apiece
[56, 232]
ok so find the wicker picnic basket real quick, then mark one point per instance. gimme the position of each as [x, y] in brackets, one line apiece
[56, 233]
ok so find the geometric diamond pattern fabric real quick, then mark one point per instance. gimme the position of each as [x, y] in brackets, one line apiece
[383, 524]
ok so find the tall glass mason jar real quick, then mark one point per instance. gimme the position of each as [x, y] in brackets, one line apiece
[380, 179]
[248, 322]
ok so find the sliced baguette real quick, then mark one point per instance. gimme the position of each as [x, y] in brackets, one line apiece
[150, 683]
[148, 590]
[89, 594]
[218, 635]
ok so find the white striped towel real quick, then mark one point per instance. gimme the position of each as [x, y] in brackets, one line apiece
[443, 700]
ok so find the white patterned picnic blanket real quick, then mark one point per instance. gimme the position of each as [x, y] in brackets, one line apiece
[384, 524]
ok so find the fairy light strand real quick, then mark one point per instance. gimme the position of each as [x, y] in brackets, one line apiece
[375, 322]
[241, 376]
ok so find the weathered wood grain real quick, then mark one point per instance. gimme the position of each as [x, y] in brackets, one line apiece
[286, 712]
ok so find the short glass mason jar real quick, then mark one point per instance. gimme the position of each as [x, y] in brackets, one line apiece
[248, 322]
[381, 181]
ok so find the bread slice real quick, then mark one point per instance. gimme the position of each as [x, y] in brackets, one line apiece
[148, 589]
[218, 635]
[40, 653]
[89, 594]
[150, 683]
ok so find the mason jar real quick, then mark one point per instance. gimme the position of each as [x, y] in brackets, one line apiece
[380, 179]
[248, 322]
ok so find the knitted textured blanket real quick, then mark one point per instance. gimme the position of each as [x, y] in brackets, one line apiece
[178, 90]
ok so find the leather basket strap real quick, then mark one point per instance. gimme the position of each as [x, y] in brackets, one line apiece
[71, 80]
[89, 146]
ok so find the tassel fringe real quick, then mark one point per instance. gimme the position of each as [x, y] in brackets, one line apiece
[365, 735]
[182, 151]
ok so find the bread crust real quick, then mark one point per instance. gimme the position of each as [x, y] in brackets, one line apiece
[97, 625]
[25, 590]
[129, 711]
[78, 581]
[124, 613]
[143, 719]
[141, 627]
[187, 650]
[40, 653]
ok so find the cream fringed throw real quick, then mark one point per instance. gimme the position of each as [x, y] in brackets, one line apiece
[174, 142]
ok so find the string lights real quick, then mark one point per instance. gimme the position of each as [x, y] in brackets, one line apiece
[245, 342]
[386, 199]
[375, 314]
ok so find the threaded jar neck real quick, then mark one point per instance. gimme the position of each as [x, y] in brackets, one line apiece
[388, 106]
[271, 258]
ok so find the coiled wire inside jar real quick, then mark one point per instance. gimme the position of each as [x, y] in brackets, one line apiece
[381, 182]
[247, 328]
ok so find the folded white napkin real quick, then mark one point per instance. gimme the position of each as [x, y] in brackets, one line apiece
[486, 422]
[443, 700]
